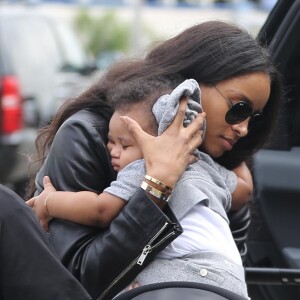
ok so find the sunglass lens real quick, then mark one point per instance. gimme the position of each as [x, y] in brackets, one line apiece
[255, 121]
[238, 113]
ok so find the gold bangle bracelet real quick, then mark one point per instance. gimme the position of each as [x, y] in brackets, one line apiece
[155, 192]
[160, 183]
[46, 203]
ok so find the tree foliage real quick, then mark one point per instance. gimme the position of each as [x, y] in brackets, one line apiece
[102, 33]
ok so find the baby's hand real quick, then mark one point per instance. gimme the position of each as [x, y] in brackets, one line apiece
[39, 203]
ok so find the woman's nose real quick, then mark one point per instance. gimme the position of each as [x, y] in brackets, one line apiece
[241, 128]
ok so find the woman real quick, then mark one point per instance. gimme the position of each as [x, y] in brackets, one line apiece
[208, 189]
[225, 61]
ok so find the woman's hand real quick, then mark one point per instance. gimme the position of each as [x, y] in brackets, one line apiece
[133, 285]
[39, 204]
[168, 155]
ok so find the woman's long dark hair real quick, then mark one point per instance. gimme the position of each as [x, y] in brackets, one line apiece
[209, 52]
[215, 51]
[94, 98]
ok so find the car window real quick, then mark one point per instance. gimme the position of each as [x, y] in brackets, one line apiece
[285, 47]
[293, 96]
[73, 53]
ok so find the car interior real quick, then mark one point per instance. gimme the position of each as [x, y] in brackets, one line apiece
[273, 260]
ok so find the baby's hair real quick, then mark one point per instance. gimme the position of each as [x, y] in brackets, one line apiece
[140, 94]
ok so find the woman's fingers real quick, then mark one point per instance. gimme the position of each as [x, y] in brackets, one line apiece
[177, 125]
[196, 130]
[193, 133]
[167, 156]
[135, 129]
[179, 118]
[197, 124]
[196, 140]
[133, 285]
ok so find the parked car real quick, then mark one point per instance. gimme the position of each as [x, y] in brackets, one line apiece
[47, 58]
[274, 241]
[42, 63]
[14, 137]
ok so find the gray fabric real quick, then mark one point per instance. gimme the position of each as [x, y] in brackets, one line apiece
[207, 182]
[128, 180]
[197, 267]
[204, 181]
[166, 107]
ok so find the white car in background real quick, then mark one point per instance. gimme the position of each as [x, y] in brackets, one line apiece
[42, 64]
[47, 58]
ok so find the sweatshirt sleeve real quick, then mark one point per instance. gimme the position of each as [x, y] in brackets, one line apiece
[128, 180]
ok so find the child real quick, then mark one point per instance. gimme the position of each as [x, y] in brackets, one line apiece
[206, 251]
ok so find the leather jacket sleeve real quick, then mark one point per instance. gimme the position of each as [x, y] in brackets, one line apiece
[78, 159]
[239, 225]
[104, 261]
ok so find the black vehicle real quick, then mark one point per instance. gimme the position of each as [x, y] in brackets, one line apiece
[273, 255]
[274, 240]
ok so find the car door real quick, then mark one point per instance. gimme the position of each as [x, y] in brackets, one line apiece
[274, 237]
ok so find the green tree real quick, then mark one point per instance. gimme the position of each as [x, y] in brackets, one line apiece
[103, 33]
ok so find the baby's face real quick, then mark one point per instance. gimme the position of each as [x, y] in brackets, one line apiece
[121, 145]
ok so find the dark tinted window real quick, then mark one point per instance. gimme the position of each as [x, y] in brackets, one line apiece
[293, 97]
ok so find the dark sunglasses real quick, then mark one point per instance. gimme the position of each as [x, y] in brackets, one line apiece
[240, 111]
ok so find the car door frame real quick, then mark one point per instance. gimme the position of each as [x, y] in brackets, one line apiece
[272, 244]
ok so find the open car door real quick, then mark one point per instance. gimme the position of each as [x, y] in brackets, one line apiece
[274, 237]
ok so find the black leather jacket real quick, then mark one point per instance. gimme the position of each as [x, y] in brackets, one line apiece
[104, 261]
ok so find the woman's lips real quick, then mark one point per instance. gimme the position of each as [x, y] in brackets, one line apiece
[227, 143]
